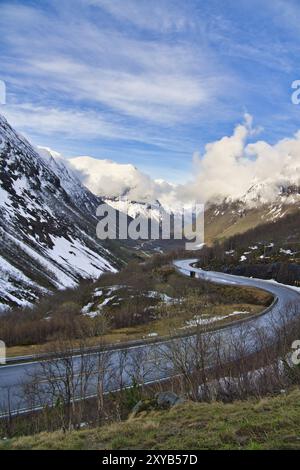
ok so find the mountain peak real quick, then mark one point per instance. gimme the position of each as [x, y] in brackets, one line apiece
[48, 218]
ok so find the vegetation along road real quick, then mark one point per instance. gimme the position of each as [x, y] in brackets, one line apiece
[153, 357]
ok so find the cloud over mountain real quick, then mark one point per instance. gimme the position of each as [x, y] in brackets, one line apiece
[232, 164]
[228, 167]
[108, 178]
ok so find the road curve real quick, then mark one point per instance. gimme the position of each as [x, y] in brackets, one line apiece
[13, 376]
[287, 297]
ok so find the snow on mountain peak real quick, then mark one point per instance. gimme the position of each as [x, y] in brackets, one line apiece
[47, 223]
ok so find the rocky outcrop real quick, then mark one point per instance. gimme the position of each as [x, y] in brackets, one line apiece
[161, 401]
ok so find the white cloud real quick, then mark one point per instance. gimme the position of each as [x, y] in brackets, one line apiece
[231, 165]
[228, 168]
[157, 15]
[148, 79]
[108, 178]
[151, 94]
[39, 123]
[49, 121]
[99, 76]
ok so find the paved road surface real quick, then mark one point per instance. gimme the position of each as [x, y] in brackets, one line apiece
[148, 357]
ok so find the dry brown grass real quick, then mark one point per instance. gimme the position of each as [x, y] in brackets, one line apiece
[270, 423]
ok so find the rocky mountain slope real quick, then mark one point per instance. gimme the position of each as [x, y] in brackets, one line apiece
[264, 202]
[153, 211]
[47, 224]
[268, 198]
[226, 217]
[48, 220]
[230, 217]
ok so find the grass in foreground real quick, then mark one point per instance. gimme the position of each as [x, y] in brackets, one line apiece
[269, 423]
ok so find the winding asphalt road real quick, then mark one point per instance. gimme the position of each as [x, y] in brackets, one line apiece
[149, 356]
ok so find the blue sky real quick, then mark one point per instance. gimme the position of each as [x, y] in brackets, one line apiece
[145, 81]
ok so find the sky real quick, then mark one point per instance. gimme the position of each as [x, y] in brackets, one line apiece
[150, 82]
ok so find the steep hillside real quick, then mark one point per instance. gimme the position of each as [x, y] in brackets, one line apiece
[228, 218]
[47, 224]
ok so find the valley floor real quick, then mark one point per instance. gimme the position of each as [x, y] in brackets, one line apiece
[269, 423]
[221, 314]
[137, 303]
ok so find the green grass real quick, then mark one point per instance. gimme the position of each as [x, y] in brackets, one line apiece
[269, 423]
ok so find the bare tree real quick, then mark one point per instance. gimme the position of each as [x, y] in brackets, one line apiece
[190, 359]
[62, 381]
[103, 374]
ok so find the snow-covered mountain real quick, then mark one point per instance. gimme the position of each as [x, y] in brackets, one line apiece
[271, 192]
[264, 202]
[47, 223]
[128, 190]
[153, 211]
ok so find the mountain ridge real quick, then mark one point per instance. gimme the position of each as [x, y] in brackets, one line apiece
[229, 217]
[48, 224]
